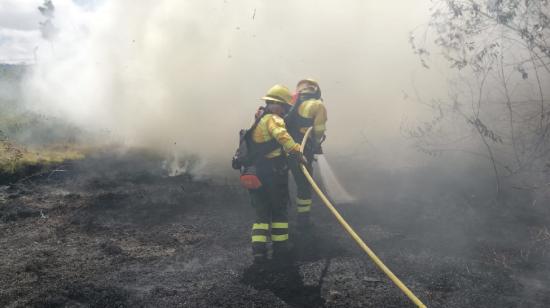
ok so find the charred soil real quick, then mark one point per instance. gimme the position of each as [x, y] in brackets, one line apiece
[114, 231]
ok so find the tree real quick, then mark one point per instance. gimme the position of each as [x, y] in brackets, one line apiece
[498, 100]
[47, 28]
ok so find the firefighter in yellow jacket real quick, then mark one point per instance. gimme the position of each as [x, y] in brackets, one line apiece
[308, 111]
[270, 201]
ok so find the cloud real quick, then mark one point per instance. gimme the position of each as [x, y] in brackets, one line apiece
[20, 37]
[18, 46]
[20, 15]
[19, 34]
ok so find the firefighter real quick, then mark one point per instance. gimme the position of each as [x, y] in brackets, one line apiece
[270, 200]
[308, 111]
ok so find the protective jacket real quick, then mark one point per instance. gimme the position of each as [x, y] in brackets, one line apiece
[308, 113]
[271, 131]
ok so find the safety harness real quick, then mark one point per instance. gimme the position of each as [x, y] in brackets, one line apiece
[251, 153]
[260, 149]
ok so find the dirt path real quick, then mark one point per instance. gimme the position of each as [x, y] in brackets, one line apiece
[108, 232]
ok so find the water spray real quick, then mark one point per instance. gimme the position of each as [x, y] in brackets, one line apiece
[336, 192]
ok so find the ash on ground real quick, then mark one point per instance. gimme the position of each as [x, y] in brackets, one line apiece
[109, 232]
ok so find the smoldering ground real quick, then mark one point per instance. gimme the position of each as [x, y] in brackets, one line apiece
[113, 230]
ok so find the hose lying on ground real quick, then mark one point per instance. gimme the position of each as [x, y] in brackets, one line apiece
[354, 235]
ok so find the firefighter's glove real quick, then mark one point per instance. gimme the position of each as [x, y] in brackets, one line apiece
[317, 145]
[317, 149]
[299, 157]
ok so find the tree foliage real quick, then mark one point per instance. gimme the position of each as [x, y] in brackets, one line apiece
[498, 101]
[47, 28]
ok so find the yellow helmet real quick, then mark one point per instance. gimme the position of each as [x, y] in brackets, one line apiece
[307, 85]
[279, 94]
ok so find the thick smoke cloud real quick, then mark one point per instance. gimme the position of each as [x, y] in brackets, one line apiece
[188, 73]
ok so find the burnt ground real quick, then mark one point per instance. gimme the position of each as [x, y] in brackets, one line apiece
[113, 231]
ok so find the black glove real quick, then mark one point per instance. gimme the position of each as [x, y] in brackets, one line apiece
[299, 157]
[317, 149]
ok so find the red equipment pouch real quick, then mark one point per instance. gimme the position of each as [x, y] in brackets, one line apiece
[294, 98]
[250, 181]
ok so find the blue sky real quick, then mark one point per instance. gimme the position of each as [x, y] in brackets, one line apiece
[88, 3]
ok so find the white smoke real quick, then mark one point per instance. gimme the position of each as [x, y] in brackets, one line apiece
[155, 73]
[176, 164]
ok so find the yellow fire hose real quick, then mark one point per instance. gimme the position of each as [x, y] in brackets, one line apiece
[354, 235]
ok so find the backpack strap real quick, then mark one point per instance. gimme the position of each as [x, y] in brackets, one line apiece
[295, 122]
[256, 122]
[264, 148]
